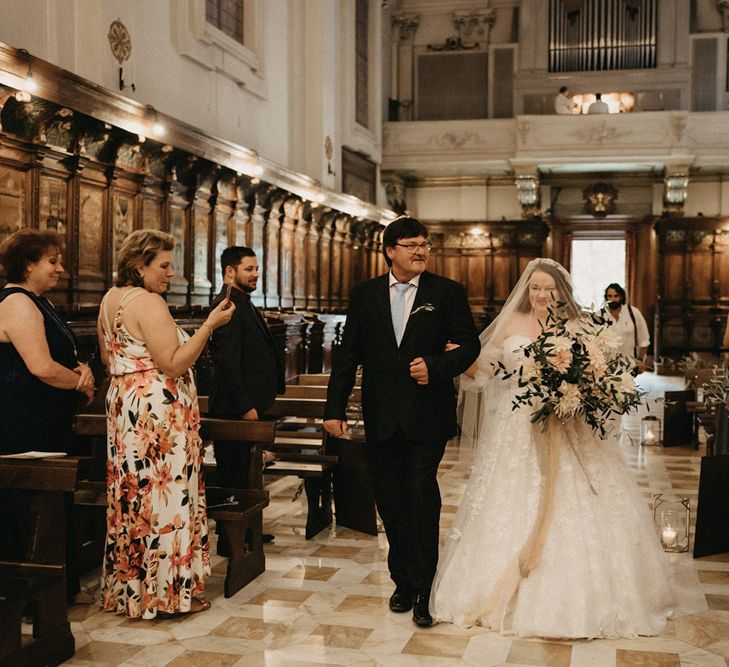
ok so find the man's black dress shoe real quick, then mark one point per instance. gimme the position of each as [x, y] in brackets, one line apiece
[401, 600]
[421, 615]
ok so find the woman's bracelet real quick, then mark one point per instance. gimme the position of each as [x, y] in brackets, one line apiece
[209, 328]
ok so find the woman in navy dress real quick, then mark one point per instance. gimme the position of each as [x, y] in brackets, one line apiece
[40, 377]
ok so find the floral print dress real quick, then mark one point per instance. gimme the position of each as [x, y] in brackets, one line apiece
[156, 553]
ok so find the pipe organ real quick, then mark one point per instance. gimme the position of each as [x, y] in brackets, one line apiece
[598, 35]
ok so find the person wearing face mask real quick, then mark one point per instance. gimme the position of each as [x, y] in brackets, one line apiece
[628, 323]
[156, 553]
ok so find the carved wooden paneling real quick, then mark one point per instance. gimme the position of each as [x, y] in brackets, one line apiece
[178, 228]
[693, 284]
[272, 240]
[335, 260]
[286, 252]
[12, 200]
[325, 263]
[222, 239]
[301, 259]
[122, 222]
[90, 235]
[346, 270]
[487, 258]
[313, 267]
[53, 202]
[151, 212]
[241, 222]
[201, 281]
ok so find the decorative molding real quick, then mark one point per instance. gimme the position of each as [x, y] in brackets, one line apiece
[474, 23]
[120, 41]
[407, 24]
[723, 7]
[527, 188]
[600, 199]
[457, 140]
[202, 42]
[675, 191]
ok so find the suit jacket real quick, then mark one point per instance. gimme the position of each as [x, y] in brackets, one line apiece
[247, 369]
[390, 397]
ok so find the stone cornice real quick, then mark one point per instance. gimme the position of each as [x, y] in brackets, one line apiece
[74, 92]
[646, 142]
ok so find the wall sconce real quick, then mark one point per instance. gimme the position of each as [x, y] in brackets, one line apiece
[29, 85]
[158, 128]
[121, 46]
[329, 152]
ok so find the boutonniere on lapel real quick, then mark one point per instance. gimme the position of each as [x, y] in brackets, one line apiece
[426, 308]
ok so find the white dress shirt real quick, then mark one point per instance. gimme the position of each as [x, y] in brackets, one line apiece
[625, 329]
[409, 296]
[564, 105]
[598, 106]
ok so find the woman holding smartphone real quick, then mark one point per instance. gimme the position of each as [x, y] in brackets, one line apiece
[156, 554]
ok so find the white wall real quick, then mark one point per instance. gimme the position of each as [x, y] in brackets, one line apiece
[284, 110]
[464, 202]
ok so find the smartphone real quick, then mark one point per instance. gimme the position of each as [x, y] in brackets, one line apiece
[227, 295]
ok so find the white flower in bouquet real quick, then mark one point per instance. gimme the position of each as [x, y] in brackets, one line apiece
[570, 401]
[575, 367]
[625, 384]
[560, 355]
[597, 363]
[529, 370]
[608, 342]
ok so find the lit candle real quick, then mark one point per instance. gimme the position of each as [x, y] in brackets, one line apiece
[668, 536]
[650, 438]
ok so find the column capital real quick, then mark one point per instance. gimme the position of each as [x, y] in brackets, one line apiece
[675, 190]
[406, 23]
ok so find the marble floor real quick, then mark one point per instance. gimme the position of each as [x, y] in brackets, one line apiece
[324, 601]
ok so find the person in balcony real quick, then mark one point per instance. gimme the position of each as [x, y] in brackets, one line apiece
[598, 106]
[564, 104]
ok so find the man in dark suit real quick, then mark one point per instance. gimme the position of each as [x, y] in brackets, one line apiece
[247, 369]
[398, 326]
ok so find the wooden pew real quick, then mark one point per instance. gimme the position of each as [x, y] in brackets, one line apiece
[33, 578]
[353, 492]
[238, 512]
[317, 391]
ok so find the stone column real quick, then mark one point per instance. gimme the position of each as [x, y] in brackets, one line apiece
[404, 27]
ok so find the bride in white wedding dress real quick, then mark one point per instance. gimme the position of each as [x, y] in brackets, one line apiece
[562, 547]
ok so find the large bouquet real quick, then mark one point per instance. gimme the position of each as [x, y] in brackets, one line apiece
[575, 368]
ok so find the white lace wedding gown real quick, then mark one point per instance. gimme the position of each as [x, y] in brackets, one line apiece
[601, 571]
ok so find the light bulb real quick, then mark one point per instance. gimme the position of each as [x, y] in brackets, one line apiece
[30, 83]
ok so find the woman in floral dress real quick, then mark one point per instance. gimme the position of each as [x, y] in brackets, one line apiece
[156, 553]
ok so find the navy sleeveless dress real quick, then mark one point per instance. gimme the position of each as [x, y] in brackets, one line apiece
[34, 415]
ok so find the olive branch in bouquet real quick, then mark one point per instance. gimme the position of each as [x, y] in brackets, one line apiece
[575, 368]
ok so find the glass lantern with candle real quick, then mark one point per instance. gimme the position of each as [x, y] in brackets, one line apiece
[650, 431]
[672, 517]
